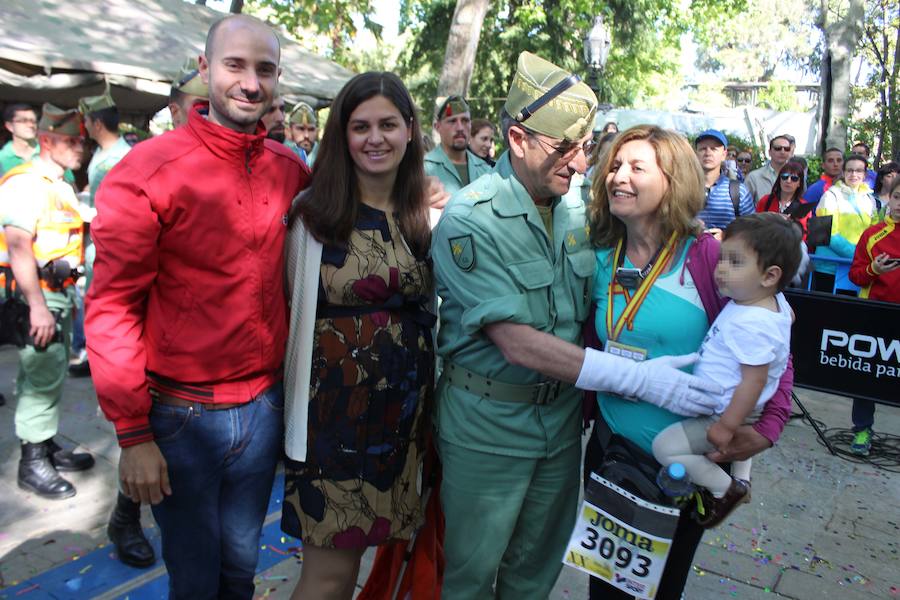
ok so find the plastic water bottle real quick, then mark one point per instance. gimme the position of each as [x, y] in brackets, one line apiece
[674, 481]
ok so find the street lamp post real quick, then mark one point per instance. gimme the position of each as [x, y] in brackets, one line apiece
[596, 51]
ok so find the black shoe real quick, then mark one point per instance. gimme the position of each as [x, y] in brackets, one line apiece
[2, 400]
[67, 461]
[124, 531]
[37, 475]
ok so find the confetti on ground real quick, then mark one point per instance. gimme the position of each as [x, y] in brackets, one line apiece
[30, 588]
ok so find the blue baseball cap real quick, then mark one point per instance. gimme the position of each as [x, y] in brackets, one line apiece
[714, 134]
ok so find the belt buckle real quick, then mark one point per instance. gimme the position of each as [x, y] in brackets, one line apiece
[546, 392]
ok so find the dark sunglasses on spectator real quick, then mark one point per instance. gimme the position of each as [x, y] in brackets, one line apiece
[791, 176]
[745, 160]
[781, 148]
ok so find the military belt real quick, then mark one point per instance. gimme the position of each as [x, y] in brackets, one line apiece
[541, 393]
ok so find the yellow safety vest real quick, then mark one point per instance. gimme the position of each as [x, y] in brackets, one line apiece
[59, 231]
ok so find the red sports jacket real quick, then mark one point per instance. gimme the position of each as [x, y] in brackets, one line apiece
[188, 289]
[881, 238]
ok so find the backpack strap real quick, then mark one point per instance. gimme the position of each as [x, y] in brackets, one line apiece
[734, 190]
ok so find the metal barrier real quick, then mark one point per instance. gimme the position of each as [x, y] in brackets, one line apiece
[841, 274]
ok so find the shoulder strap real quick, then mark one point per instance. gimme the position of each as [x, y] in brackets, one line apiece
[734, 190]
[701, 264]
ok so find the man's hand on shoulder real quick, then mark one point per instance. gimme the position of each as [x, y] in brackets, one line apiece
[437, 195]
[144, 473]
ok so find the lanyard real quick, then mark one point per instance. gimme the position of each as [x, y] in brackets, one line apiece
[633, 303]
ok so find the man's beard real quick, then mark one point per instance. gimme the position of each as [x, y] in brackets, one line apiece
[277, 135]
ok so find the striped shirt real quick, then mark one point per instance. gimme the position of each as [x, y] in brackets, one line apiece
[719, 209]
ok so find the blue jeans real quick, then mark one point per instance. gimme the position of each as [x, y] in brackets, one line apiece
[221, 468]
[863, 414]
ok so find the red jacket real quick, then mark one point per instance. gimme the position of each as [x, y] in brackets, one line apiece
[188, 289]
[882, 238]
[765, 206]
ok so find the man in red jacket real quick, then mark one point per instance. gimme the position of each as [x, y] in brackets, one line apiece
[186, 316]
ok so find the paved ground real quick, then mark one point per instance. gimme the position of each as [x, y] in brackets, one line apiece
[819, 527]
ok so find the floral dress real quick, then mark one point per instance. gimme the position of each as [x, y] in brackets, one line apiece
[370, 394]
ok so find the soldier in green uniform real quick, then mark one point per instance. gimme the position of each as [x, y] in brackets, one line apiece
[304, 131]
[101, 119]
[41, 244]
[514, 269]
[451, 161]
[187, 88]
[101, 122]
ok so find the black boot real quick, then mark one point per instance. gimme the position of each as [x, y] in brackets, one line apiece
[36, 473]
[124, 530]
[66, 460]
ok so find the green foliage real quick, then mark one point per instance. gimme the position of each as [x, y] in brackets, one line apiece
[330, 18]
[746, 41]
[877, 100]
[778, 96]
[643, 63]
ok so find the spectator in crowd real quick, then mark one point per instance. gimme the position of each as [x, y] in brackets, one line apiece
[744, 161]
[726, 198]
[186, 316]
[305, 132]
[273, 120]
[482, 141]
[876, 269]
[832, 165]
[852, 207]
[187, 87]
[760, 181]
[645, 198]
[610, 127]
[863, 149]
[451, 161]
[786, 193]
[20, 121]
[884, 179]
[360, 361]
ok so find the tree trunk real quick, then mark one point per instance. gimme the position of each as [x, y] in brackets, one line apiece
[893, 96]
[462, 43]
[236, 6]
[842, 24]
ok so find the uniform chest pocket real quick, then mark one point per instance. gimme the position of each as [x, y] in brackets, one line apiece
[535, 277]
[583, 264]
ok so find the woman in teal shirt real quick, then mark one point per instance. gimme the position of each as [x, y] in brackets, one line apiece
[647, 193]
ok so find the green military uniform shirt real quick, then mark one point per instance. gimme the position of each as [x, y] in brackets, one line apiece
[438, 164]
[494, 262]
[102, 162]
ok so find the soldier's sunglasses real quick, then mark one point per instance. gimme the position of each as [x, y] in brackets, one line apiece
[569, 150]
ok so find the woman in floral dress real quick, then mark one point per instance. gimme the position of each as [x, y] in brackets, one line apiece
[372, 364]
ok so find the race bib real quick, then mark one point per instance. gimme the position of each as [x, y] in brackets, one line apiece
[626, 542]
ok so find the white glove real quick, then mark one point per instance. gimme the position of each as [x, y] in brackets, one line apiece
[657, 381]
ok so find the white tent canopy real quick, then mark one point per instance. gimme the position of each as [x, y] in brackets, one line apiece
[60, 50]
[752, 123]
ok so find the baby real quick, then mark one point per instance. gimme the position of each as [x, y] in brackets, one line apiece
[745, 350]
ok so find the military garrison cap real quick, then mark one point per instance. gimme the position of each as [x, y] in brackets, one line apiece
[452, 105]
[59, 121]
[91, 104]
[548, 100]
[302, 114]
[188, 80]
